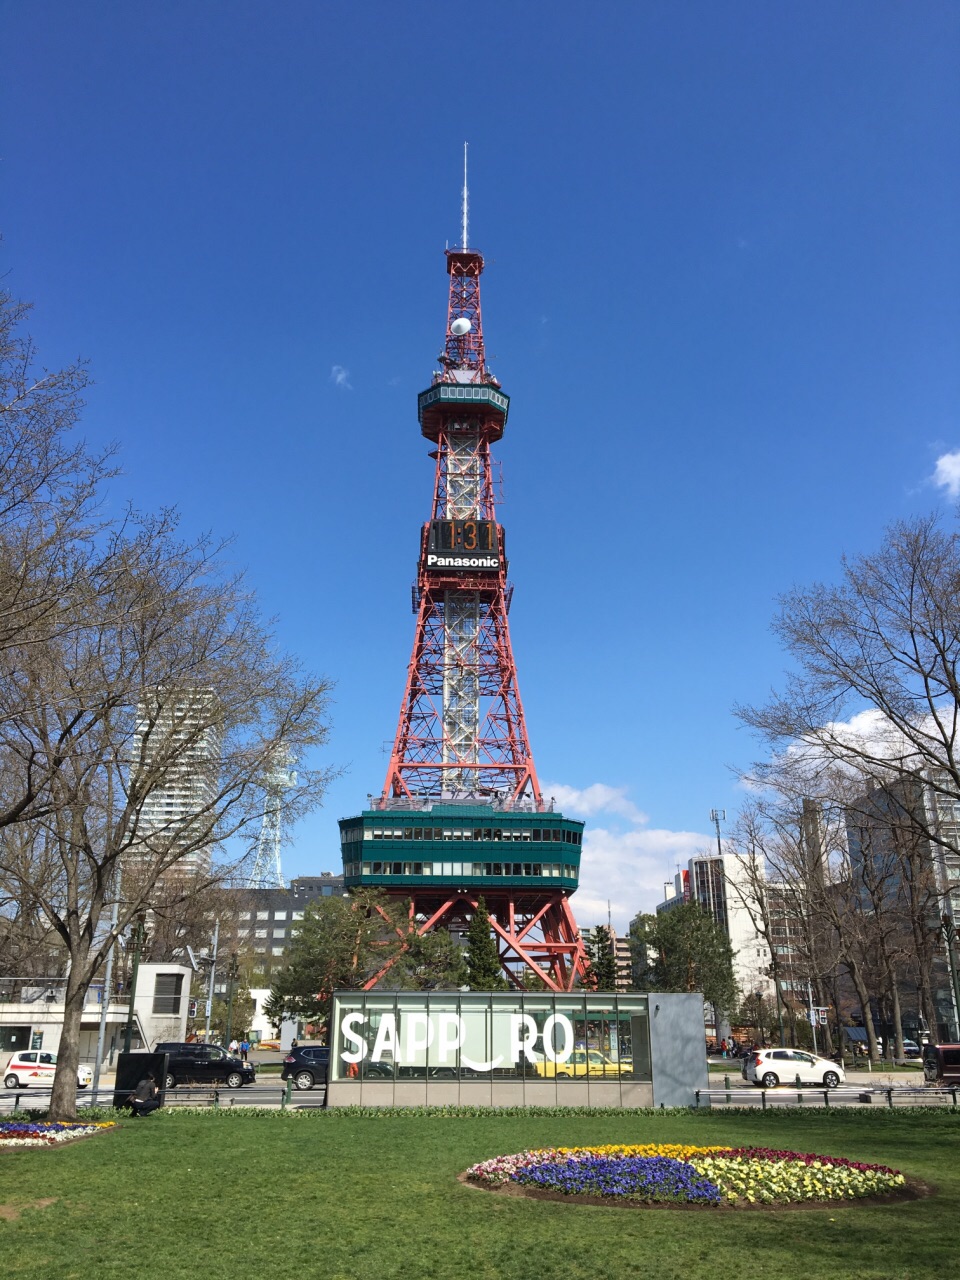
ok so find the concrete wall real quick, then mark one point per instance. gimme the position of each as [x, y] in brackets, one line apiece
[596, 1093]
[678, 1053]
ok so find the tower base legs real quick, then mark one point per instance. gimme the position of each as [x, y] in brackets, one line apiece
[537, 937]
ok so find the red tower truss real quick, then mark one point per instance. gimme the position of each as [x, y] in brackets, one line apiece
[461, 814]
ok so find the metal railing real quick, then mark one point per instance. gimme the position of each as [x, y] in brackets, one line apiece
[795, 1095]
[37, 1099]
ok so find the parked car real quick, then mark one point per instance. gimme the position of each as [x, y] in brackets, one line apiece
[941, 1064]
[33, 1067]
[204, 1064]
[307, 1064]
[770, 1067]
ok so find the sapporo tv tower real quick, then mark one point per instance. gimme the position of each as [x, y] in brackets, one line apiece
[461, 814]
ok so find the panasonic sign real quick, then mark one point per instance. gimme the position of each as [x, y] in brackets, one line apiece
[463, 562]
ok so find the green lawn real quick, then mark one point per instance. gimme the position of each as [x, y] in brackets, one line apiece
[362, 1198]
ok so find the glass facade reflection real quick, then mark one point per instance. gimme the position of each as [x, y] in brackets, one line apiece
[452, 1035]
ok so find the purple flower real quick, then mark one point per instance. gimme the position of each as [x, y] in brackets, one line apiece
[656, 1178]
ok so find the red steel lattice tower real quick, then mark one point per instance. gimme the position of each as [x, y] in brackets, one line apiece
[461, 814]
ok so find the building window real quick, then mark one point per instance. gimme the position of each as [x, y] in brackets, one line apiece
[279, 915]
[297, 915]
[263, 915]
[244, 915]
[279, 933]
[166, 993]
[260, 933]
[278, 951]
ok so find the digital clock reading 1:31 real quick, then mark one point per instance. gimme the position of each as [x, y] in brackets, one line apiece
[459, 536]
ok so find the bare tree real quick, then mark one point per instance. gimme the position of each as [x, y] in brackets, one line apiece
[873, 712]
[800, 896]
[132, 668]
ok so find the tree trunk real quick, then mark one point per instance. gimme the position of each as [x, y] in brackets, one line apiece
[863, 995]
[836, 1014]
[897, 1019]
[63, 1098]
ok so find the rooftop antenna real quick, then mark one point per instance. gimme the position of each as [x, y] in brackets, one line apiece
[466, 196]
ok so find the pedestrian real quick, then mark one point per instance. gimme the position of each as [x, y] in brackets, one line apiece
[234, 1046]
[144, 1097]
[244, 1048]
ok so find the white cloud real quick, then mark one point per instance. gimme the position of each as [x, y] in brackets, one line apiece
[341, 377]
[946, 474]
[598, 798]
[627, 867]
[867, 732]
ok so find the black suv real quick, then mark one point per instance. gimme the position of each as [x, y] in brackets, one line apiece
[941, 1064]
[204, 1064]
[308, 1064]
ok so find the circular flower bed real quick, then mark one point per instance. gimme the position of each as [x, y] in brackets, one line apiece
[26, 1133]
[670, 1174]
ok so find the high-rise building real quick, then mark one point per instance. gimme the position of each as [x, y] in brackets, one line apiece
[623, 960]
[178, 745]
[903, 842]
[264, 919]
[722, 885]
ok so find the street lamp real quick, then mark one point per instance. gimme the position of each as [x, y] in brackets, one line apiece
[758, 996]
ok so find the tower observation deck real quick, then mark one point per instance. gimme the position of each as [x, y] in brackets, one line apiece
[461, 814]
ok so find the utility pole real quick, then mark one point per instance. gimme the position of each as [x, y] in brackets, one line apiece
[716, 817]
[231, 986]
[213, 974]
[138, 935]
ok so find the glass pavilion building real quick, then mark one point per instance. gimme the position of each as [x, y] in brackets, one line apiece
[593, 1049]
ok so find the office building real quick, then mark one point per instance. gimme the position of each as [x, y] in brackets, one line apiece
[178, 746]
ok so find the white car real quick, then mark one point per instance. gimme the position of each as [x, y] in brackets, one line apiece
[770, 1067]
[32, 1067]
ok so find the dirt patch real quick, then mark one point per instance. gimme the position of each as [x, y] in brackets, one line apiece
[11, 1212]
[914, 1190]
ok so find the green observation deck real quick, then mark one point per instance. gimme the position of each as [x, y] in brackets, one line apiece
[461, 846]
[434, 405]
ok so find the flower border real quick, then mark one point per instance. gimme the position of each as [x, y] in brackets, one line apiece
[38, 1134]
[672, 1175]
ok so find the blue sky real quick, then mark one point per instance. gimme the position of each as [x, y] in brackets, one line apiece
[722, 291]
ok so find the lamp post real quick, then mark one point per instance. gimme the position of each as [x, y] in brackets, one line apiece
[138, 936]
[232, 973]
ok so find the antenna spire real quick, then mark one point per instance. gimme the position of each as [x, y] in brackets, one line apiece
[466, 196]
